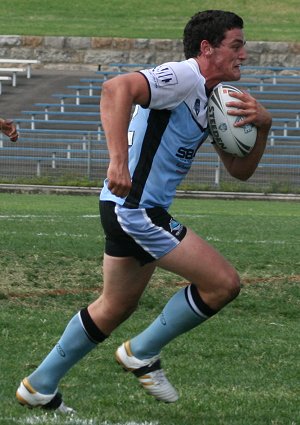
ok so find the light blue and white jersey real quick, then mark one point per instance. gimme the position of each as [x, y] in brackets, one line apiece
[165, 136]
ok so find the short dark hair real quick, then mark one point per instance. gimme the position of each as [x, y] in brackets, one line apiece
[209, 25]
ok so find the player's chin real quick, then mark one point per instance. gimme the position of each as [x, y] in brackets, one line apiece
[235, 74]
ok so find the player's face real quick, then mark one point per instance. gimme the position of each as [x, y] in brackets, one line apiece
[229, 56]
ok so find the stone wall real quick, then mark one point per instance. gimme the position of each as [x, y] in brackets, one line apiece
[88, 52]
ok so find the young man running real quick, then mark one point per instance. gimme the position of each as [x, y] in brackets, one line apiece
[168, 126]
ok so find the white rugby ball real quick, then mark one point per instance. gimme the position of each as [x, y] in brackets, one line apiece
[237, 141]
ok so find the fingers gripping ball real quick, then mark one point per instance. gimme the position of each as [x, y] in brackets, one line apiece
[9, 129]
[237, 141]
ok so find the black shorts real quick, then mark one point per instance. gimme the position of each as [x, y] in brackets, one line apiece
[143, 233]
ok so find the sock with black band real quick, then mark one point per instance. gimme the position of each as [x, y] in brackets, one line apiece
[184, 311]
[79, 338]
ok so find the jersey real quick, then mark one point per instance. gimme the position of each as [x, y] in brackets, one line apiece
[165, 135]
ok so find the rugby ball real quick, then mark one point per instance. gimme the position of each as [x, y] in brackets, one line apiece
[237, 141]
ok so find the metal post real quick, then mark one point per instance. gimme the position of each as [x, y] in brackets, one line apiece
[53, 160]
[217, 172]
[38, 168]
[89, 157]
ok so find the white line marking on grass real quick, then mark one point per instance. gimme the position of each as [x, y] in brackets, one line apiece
[249, 242]
[54, 419]
[63, 234]
[208, 238]
[18, 216]
[192, 215]
[34, 216]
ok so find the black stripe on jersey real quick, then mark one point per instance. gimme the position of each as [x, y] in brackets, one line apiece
[157, 123]
[193, 118]
[204, 130]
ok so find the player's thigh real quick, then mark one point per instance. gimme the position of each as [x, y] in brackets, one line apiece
[198, 262]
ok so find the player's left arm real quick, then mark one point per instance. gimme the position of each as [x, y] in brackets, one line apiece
[253, 112]
[9, 128]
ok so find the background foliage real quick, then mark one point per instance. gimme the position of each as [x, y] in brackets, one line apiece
[270, 20]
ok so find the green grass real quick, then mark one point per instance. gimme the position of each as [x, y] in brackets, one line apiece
[239, 368]
[269, 20]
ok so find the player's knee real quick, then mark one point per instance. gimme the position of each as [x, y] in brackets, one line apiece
[231, 285]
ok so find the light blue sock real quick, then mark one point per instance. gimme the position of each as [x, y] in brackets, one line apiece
[72, 346]
[184, 311]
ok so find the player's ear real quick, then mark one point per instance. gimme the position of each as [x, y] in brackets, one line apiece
[206, 48]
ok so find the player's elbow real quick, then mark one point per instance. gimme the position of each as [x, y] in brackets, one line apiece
[242, 170]
[108, 89]
[243, 177]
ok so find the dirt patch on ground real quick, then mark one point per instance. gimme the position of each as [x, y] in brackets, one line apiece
[76, 291]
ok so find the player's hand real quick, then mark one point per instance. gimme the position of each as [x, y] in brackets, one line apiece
[119, 180]
[247, 106]
[9, 129]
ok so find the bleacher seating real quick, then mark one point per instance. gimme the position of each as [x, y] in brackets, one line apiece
[27, 62]
[68, 133]
[76, 96]
[14, 71]
[68, 106]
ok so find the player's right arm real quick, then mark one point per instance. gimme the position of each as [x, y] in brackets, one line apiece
[118, 96]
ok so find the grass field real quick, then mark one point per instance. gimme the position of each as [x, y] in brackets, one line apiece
[240, 368]
[264, 21]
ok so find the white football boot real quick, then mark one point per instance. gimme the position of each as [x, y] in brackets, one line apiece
[149, 373]
[27, 396]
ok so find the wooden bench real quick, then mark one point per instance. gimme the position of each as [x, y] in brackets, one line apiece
[61, 114]
[287, 121]
[108, 74]
[68, 150]
[3, 78]
[90, 88]
[273, 138]
[243, 67]
[274, 69]
[14, 72]
[285, 110]
[284, 129]
[273, 77]
[99, 132]
[27, 62]
[61, 131]
[35, 121]
[276, 92]
[125, 66]
[68, 105]
[77, 97]
[280, 102]
[263, 85]
[92, 80]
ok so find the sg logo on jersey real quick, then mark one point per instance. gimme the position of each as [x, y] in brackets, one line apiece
[175, 227]
[185, 153]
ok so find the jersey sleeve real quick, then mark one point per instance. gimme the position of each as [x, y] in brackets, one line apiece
[170, 84]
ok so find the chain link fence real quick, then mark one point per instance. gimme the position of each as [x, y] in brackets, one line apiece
[81, 158]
